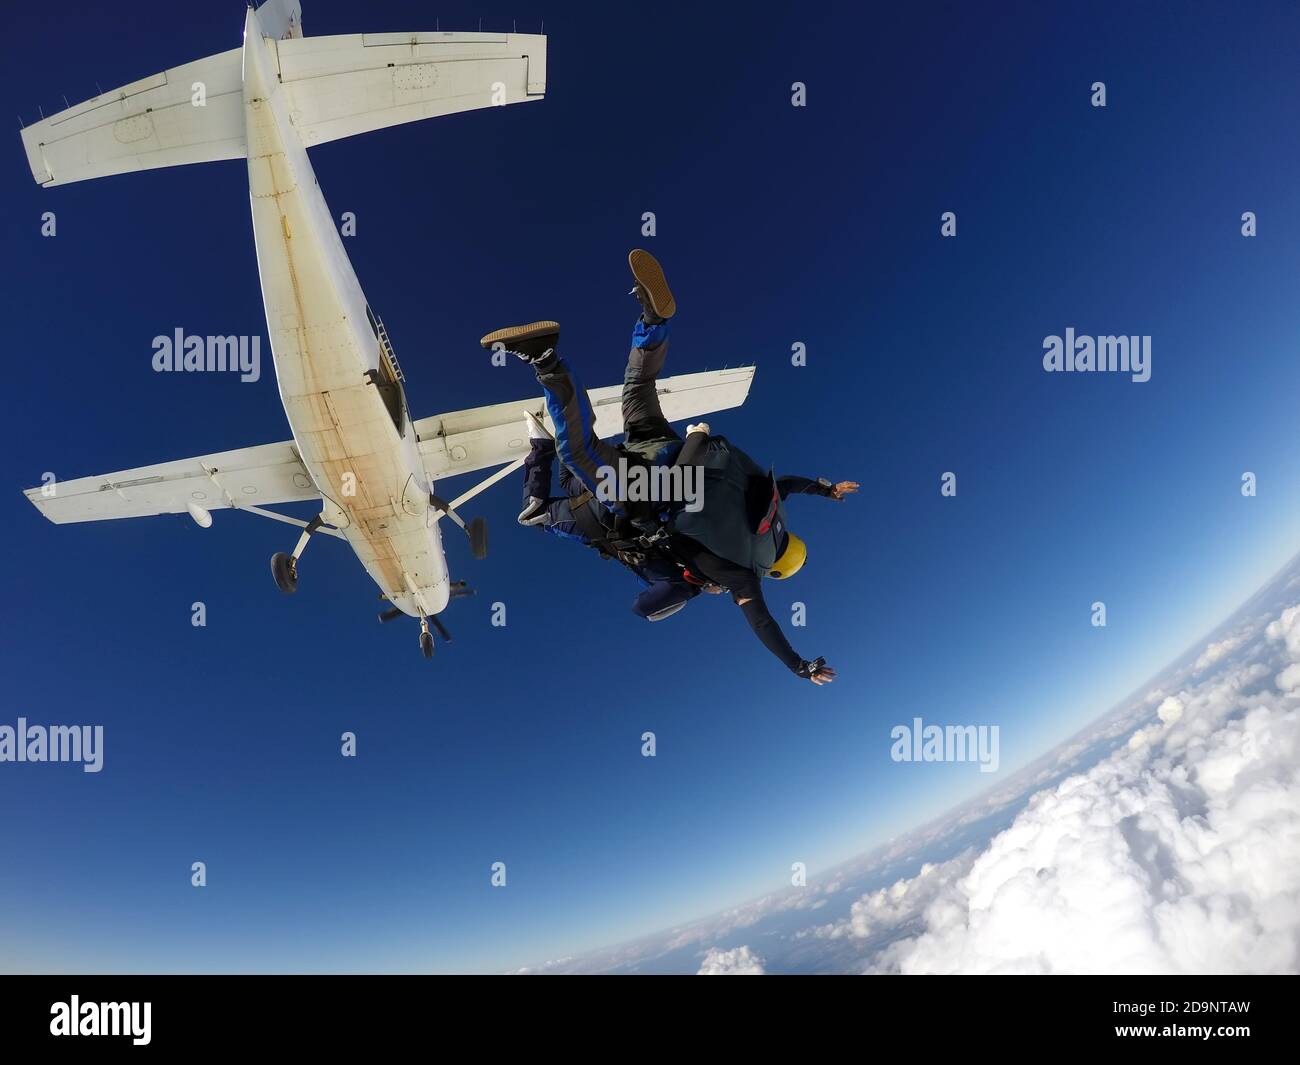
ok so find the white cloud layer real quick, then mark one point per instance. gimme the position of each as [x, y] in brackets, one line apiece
[1179, 853]
[1216, 651]
[738, 962]
[1163, 838]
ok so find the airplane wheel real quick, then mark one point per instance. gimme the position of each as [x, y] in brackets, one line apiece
[285, 573]
[478, 537]
[426, 644]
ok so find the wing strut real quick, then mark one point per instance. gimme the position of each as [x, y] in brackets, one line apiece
[486, 483]
[476, 529]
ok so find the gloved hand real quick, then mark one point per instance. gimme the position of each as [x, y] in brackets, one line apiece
[698, 427]
[816, 671]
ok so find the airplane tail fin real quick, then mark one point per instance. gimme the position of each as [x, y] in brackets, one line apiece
[281, 19]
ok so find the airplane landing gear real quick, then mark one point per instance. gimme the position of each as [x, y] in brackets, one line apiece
[476, 529]
[426, 634]
[284, 568]
[478, 543]
[285, 572]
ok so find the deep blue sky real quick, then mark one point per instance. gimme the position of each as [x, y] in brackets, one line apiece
[777, 225]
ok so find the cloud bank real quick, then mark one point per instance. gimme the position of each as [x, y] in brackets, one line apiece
[738, 962]
[1164, 838]
[1179, 853]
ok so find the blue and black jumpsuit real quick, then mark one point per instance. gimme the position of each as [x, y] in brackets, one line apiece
[585, 458]
[746, 586]
[577, 514]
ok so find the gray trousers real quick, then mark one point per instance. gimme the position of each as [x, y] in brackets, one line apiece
[647, 431]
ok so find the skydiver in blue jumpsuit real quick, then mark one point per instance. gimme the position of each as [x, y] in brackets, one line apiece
[743, 553]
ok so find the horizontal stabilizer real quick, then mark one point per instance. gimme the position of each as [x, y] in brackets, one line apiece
[354, 83]
[336, 86]
[156, 121]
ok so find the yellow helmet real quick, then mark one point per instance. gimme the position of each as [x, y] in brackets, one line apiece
[791, 560]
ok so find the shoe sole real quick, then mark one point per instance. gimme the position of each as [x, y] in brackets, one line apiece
[531, 420]
[650, 276]
[519, 332]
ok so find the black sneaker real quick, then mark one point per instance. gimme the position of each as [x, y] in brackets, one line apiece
[531, 342]
[651, 288]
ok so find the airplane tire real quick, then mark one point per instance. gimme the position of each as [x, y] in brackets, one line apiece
[478, 542]
[426, 644]
[284, 572]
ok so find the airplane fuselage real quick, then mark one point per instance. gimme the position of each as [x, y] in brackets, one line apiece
[340, 386]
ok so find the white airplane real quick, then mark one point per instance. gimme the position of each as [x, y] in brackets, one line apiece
[355, 448]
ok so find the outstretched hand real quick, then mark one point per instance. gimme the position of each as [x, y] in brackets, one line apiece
[844, 488]
[816, 671]
[823, 675]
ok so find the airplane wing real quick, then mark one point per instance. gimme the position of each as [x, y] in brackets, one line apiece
[459, 442]
[469, 440]
[267, 473]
